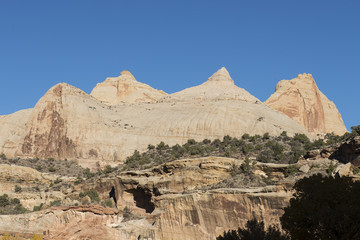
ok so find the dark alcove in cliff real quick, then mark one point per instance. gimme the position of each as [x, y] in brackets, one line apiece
[142, 198]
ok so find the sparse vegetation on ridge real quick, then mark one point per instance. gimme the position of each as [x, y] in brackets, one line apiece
[266, 148]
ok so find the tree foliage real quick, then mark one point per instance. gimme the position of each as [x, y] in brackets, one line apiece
[254, 231]
[323, 207]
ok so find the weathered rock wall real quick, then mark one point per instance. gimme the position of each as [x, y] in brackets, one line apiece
[301, 100]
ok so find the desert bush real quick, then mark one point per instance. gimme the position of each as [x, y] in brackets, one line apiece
[331, 168]
[92, 193]
[38, 208]
[254, 231]
[108, 169]
[36, 237]
[150, 147]
[4, 200]
[161, 146]
[109, 203]
[356, 170]
[247, 166]
[291, 170]
[18, 189]
[52, 169]
[55, 203]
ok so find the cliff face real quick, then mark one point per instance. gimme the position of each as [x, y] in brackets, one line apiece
[178, 200]
[68, 123]
[301, 100]
[173, 201]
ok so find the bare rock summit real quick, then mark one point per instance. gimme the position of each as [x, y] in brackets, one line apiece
[301, 100]
[219, 86]
[125, 88]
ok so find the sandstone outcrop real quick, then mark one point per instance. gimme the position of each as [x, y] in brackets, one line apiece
[178, 200]
[301, 100]
[68, 123]
[125, 88]
[219, 86]
[348, 152]
[172, 201]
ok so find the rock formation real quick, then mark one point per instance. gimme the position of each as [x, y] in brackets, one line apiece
[180, 207]
[179, 200]
[348, 152]
[301, 100]
[125, 88]
[68, 123]
[219, 86]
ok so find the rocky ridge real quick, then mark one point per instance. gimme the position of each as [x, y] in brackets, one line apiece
[68, 123]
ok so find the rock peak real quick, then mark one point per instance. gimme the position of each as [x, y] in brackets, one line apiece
[301, 100]
[125, 89]
[222, 75]
[306, 76]
[126, 75]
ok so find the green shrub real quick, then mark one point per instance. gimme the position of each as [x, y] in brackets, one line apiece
[4, 200]
[356, 170]
[331, 168]
[78, 180]
[206, 141]
[161, 146]
[38, 208]
[150, 147]
[92, 193]
[245, 136]
[109, 203]
[55, 203]
[108, 169]
[3, 156]
[17, 189]
[58, 180]
[254, 231]
[246, 166]
[88, 174]
[247, 148]
[52, 169]
[19, 209]
[14, 201]
[283, 134]
[266, 136]
[291, 170]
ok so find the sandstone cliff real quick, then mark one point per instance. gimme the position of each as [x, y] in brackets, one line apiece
[68, 123]
[177, 200]
[301, 100]
[125, 88]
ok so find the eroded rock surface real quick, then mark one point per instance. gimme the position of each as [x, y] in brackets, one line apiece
[68, 123]
[125, 88]
[301, 100]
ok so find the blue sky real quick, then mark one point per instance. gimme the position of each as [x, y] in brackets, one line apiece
[172, 45]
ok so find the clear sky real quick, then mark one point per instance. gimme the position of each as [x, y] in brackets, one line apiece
[172, 45]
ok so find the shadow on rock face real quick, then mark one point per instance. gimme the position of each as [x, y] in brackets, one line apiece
[142, 199]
